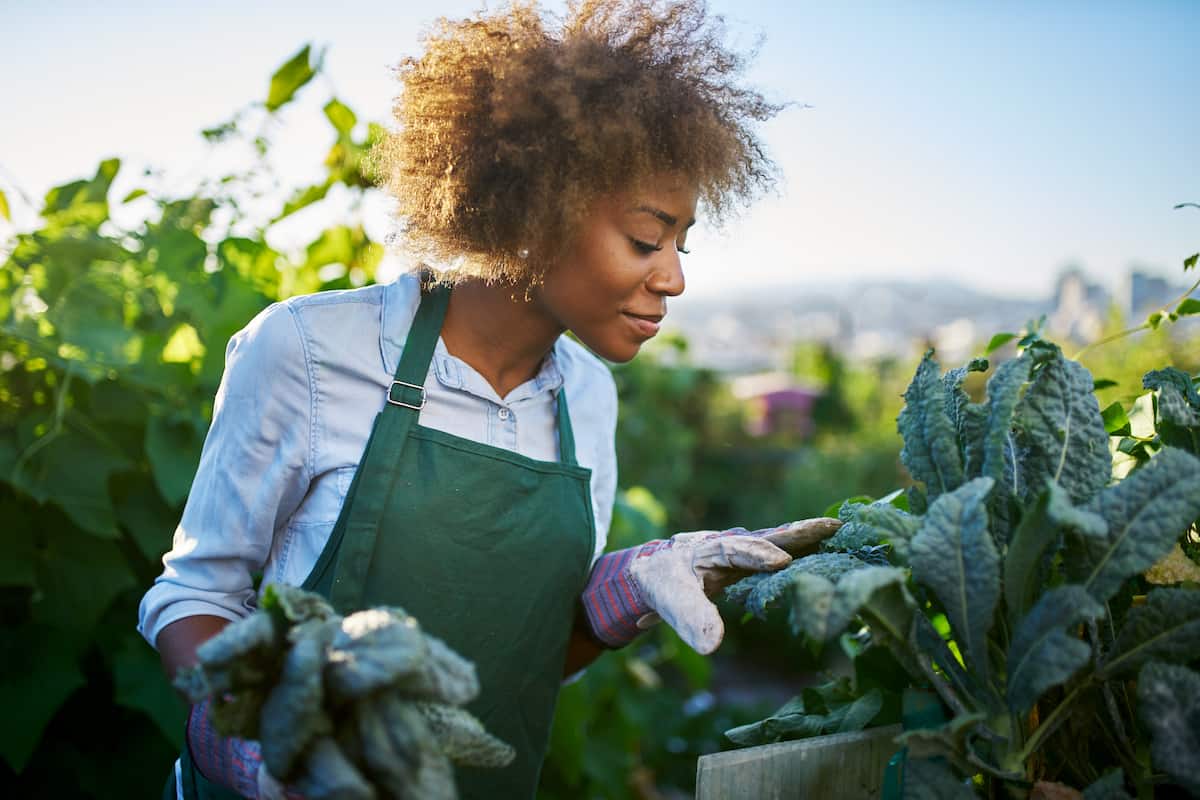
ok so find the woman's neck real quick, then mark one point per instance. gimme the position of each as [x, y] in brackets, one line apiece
[503, 336]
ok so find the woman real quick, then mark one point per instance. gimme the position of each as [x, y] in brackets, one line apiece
[451, 452]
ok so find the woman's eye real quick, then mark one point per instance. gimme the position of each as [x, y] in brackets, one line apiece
[646, 248]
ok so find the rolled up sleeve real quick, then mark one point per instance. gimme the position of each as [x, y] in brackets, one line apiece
[254, 471]
[605, 474]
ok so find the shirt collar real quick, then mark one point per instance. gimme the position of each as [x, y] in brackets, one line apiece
[399, 306]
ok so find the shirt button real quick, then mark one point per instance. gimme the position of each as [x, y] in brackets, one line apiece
[503, 413]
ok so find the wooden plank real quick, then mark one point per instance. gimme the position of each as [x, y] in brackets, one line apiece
[842, 766]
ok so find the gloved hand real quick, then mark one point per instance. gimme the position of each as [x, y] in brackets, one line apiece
[268, 787]
[629, 590]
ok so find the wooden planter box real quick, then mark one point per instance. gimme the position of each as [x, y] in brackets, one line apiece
[836, 767]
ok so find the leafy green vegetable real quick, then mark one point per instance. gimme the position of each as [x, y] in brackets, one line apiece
[1043, 654]
[1166, 628]
[1061, 432]
[1169, 706]
[758, 591]
[954, 555]
[1109, 787]
[1037, 535]
[873, 524]
[1020, 513]
[930, 450]
[822, 609]
[462, 738]
[1145, 514]
[829, 708]
[344, 707]
[995, 445]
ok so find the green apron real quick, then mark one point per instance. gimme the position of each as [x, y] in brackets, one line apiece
[489, 549]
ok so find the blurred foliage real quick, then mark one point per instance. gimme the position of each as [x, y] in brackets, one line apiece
[112, 342]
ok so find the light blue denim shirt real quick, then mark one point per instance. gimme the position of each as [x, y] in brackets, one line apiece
[302, 385]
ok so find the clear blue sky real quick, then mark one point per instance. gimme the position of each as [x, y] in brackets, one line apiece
[992, 143]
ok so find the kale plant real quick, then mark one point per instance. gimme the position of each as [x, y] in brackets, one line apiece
[1013, 584]
[355, 708]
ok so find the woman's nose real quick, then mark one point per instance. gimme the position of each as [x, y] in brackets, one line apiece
[667, 275]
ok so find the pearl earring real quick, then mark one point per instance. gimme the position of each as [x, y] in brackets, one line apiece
[523, 253]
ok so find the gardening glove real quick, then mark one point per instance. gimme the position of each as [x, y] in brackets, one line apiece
[672, 579]
[268, 787]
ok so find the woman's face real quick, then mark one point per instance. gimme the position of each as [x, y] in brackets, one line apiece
[612, 286]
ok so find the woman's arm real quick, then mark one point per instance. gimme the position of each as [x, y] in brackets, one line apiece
[177, 642]
[583, 647]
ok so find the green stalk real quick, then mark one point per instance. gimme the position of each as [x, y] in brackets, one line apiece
[1056, 718]
[1166, 309]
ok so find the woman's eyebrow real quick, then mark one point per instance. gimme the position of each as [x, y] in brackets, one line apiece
[670, 220]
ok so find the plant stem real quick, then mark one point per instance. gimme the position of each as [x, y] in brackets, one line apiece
[1165, 309]
[1053, 721]
[941, 687]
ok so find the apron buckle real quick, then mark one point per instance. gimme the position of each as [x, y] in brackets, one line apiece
[398, 402]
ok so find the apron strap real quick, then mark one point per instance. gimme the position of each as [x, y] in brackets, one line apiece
[566, 435]
[380, 465]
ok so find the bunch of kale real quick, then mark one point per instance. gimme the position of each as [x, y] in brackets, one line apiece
[355, 708]
[1014, 582]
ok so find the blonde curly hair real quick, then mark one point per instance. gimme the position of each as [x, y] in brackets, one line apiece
[511, 124]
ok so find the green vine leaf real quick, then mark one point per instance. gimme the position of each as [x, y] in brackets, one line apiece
[340, 116]
[1188, 307]
[40, 671]
[998, 341]
[289, 78]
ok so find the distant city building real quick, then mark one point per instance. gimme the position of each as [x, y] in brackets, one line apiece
[755, 331]
[1148, 293]
[1080, 308]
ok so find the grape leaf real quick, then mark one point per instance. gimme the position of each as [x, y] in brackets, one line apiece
[296, 72]
[40, 671]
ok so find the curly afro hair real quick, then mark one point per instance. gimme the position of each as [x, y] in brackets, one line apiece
[511, 124]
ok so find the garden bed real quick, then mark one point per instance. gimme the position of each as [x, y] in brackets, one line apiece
[840, 765]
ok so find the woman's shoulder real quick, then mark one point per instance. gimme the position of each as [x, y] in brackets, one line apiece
[339, 324]
[584, 375]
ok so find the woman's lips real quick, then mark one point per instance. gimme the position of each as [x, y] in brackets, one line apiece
[645, 326]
